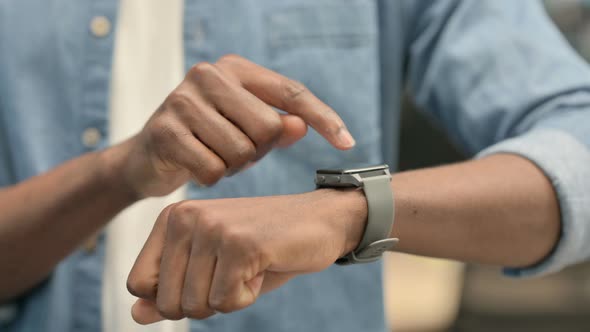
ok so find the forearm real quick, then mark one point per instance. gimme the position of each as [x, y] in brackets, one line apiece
[498, 210]
[47, 217]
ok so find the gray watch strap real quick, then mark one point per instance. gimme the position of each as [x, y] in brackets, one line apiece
[380, 217]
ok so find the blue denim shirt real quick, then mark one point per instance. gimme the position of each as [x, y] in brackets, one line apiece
[495, 74]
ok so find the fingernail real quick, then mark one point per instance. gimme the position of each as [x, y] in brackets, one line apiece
[346, 138]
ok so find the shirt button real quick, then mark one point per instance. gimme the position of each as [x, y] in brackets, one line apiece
[91, 137]
[100, 26]
[91, 243]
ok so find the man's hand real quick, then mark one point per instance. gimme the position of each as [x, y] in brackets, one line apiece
[219, 120]
[213, 256]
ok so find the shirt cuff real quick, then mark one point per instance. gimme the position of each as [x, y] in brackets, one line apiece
[565, 161]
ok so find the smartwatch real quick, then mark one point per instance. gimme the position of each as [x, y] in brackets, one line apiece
[375, 182]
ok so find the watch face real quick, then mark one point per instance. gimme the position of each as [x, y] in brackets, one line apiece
[352, 170]
[348, 177]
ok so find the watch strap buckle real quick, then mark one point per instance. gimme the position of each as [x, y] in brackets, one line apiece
[370, 253]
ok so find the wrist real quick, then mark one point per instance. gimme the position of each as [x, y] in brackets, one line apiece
[347, 209]
[114, 164]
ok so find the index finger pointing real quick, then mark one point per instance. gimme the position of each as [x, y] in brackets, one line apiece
[290, 96]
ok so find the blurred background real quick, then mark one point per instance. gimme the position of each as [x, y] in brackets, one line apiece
[428, 295]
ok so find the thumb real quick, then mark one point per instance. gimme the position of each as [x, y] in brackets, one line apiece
[294, 129]
[145, 312]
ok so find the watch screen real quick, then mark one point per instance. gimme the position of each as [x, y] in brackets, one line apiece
[352, 170]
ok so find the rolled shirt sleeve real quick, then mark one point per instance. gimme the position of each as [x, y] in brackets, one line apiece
[566, 162]
[500, 78]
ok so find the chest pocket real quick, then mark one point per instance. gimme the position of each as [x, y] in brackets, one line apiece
[332, 48]
[322, 25]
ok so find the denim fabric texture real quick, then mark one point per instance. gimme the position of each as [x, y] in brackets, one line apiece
[495, 74]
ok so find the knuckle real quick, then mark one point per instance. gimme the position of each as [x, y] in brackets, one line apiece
[170, 311]
[207, 77]
[213, 172]
[185, 208]
[140, 287]
[162, 129]
[292, 90]
[202, 69]
[178, 99]
[233, 237]
[270, 130]
[244, 151]
[229, 60]
[192, 309]
[209, 226]
[182, 217]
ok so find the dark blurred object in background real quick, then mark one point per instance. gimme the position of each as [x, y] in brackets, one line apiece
[422, 143]
[559, 302]
[573, 19]
[491, 302]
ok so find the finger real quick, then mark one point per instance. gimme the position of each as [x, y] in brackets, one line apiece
[290, 96]
[257, 120]
[174, 261]
[145, 312]
[249, 165]
[205, 166]
[198, 277]
[294, 129]
[232, 288]
[254, 285]
[217, 133]
[143, 278]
